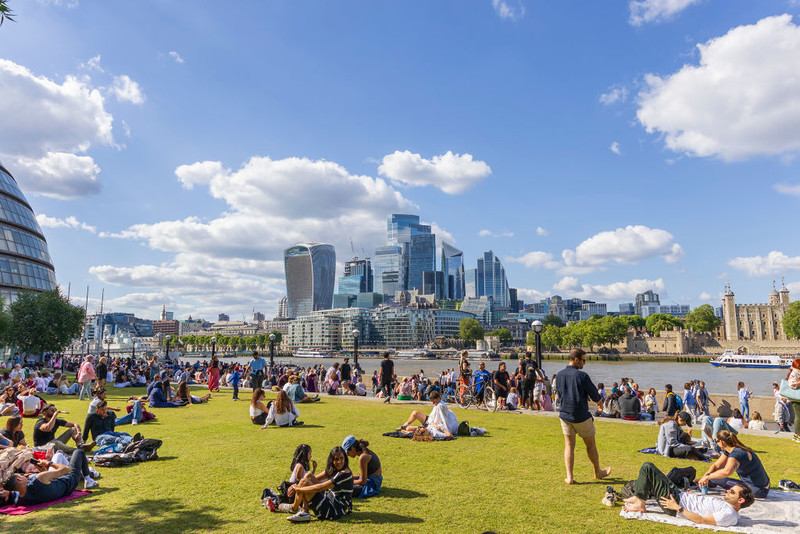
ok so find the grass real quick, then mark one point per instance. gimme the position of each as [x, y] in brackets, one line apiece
[214, 464]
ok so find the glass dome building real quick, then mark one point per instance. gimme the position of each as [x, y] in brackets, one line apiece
[24, 260]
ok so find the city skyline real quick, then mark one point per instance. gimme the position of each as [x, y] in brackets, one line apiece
[592, 150]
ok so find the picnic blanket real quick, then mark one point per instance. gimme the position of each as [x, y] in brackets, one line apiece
[16, 509]
[653, 450]
[409, 435]
[779, 513]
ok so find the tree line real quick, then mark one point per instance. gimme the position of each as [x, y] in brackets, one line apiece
[230, 343]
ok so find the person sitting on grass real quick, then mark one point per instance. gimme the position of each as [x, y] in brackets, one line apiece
[12, 433]
[101, 425]
[369, 480]
[329, 495]
[44, 432]
[49, 485]
[30, 403]
[296, 392]
[757, 423]
[8, 401]
[282, 412]
[258, 411]
[701, 509]
[512, 402]
[158, 399]
[185, 397]
[671, 442]
[737, 420]
[736, 457]
[302, 464]
[441, 422]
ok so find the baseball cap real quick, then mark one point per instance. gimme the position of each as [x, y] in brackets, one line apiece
[348, 442]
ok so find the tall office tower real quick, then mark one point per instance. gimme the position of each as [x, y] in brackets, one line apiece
[310, 273]
[433, 284]
[453, 269]
[390, 271]
[421, 258]
[418, 248]
[513, 302]
[491, 280]
[471, 283]
[360, 271]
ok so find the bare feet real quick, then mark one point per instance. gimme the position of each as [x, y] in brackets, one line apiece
[569, 481]
[603, 473]
[634, 504]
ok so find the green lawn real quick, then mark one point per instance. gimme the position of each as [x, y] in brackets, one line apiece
[214, 464]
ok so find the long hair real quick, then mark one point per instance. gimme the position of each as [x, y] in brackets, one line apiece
[667, 418]
[730, 439]
[183, 391]
[257, 394]
[301, 456]
[12, 424]
[361, 446]
[283, 403]
[737, 414]
[329, 469]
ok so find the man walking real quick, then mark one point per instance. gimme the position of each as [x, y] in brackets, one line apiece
[387, 376]
[256, 367]
[703, 399]
[574, 389]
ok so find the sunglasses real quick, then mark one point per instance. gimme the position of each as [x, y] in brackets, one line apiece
[731, 490]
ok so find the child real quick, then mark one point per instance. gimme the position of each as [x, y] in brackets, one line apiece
[513, 399]
[234, 382]
[328, 495]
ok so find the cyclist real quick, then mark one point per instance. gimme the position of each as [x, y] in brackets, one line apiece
[480, 378]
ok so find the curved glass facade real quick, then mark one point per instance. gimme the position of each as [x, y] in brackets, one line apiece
[310, 273]
[24, 259]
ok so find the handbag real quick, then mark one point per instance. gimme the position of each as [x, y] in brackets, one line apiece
[789, 393]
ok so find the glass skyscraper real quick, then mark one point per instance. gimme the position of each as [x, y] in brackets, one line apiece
[421, 258]
[417, 246]
[24, 259]
[490, 278]
[453, 269]
[310, 273]
[361, 269]
[390, 270]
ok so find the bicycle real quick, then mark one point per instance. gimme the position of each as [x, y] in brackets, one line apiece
[473, 393]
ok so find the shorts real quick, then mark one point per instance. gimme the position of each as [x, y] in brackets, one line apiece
[584, 429]
[537, 391]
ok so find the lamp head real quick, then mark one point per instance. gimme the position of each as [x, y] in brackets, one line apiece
[537, 326]
[272, 337]
[168, 337]
[214, 339]
[356, 333]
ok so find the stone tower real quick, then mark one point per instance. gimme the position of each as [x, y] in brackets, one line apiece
[729, 315]
[784, 294]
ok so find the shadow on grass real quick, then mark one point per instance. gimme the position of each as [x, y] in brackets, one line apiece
[401, 493]
[379, 518]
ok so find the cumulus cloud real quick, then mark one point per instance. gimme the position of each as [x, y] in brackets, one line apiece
[507, 11]
[535, 260]
[489, 233]
[792, 190]
[441, 233]
[452, 173]
[774, 263]
[199, 173]
[615, 148]
[52, 124]
[647, 11]
[541, 231]
[176, 56]
[530, 295]
[614, 95]
[742, 99]
[127, 90]
[570, 286]
[628, 245]
[93, 63]
[70, 222]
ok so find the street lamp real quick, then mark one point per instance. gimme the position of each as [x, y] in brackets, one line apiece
[271, 352]
[108, 349]
[537, 330]
[213, 346]
[167, 338]
[356, 333]
[133, 348]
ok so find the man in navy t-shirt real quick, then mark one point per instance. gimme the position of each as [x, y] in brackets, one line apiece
[574, 389]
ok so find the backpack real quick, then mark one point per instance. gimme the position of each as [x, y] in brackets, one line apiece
[530, 372]
[682, 476]
[463, 429]
[678, 401]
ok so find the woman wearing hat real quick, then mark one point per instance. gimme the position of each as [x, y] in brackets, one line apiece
[671, 436]
[370, 478]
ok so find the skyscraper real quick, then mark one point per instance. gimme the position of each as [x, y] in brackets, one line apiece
[360, 271]
[410, 250]
[390, 271]
[453, 269]
[491, 280]
[433, 284]
[471, 283]
[310, 273]
[421, 258]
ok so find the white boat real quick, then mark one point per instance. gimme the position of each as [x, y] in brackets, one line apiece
[416, 354]
[311, 353]
[729, 358]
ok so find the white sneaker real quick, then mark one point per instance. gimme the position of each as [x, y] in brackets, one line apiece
[299, 517]
[94, 472]
[89, 484]
[134, 422]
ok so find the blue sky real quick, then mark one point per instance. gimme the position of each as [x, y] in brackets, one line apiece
[172, 150]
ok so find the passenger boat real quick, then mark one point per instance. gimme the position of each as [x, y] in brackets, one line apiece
[416, 354]
[311, 353]
[756, 361]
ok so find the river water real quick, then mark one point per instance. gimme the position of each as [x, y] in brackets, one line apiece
[646, 374]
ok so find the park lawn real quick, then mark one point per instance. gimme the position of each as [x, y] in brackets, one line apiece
[214, 464]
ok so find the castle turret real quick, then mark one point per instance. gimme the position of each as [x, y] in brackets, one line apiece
[784, 294]
[729, 315]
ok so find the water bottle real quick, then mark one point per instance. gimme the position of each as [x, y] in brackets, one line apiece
[704, 490]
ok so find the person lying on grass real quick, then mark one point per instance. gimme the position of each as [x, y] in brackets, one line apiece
[441, 422]
[61, 481]
[329, 495]
[184, 396]
[369, 480]
[282, 412]
[701, 509]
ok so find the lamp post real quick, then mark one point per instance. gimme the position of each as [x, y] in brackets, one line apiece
[271, 352]
[356, 333]
[537, 330]
[133, 348]
[167, 338]
[108, 348]
[213, 346]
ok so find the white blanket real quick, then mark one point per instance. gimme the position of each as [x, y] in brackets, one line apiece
[779, 513]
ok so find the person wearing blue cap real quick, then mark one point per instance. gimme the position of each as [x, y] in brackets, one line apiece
[370, 475]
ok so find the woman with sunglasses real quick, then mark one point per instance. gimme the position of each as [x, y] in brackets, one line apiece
[736, 457]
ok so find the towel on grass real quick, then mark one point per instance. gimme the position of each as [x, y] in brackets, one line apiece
[653, 450]
[411, 435]
[15, 509]
[779, 513]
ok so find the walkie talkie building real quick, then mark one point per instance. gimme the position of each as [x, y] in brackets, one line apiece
[310, 273]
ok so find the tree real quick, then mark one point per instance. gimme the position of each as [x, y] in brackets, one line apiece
[504, 334]
[553, 319]
[278, 337]
[551, 336]
[43, 322]
[470, 330]
[702, 319]
[5, 323]
[791, 321]
[5, 12]
[635, 321]
[658, 322]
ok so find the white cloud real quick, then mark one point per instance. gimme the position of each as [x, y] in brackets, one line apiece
[792, 190]
[70, 222]
[52, 124]
[535, 260]
[199, 173]
[452, 173]
[530, 295]
[176, 56]
[774, 263]
[67, 4]
[506, 11]
[706, 296]
[127, 90]
[614, 95]
[541, 231]
[571, 287]
[646, 11]
[489, 233]
[441, 233]
[741, 101]
[628, 245]
[615, 148]
[93, 63]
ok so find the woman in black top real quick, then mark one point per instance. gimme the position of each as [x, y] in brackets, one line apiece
[13, 431]
[370, 475]
[465, 373]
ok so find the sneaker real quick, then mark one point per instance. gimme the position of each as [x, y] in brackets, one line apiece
[134, 422]
[300, 517]
[89, 484]
[610, 497]
[786, 484]
[94, 473]
[235, 399]
[297, 423]
[388, 400]
[796, 438]
[401, 427]
[285, 507]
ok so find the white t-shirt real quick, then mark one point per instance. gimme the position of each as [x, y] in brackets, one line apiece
[723, 513]
[512, 400]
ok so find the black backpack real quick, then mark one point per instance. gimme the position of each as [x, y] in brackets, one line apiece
[683, 477]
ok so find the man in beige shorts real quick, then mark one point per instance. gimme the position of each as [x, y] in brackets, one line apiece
[574, 389]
